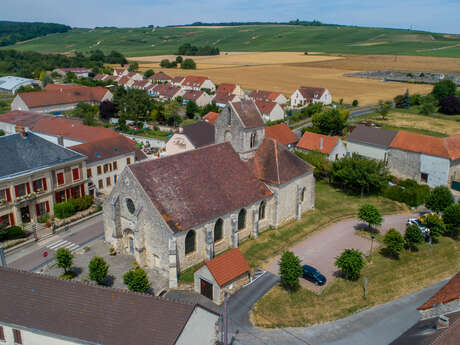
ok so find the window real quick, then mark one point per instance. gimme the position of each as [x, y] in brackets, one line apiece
[218, 230]
[302, 195]
[75, 192]
[60, 178]
[89, 172]
[106, 168]
[37, 185]
[115, 179]
[242, 219]
[262, 210]
[128, 161]
[5, 220]
[41, 209]
[108, 181]
[17, 336]
[2, 334]
[424, 178]
[75, 174]
[5, 194]
[99, 169]
[60, 196]
[100, 184]
[130, 206]
[20, 190]
[253, 139]
[190, 242]
[115, 165]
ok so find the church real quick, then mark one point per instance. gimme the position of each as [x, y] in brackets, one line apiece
[178, 211]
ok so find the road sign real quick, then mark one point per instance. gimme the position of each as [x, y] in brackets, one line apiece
[45, 254]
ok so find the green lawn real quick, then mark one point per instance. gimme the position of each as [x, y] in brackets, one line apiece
[328, 39]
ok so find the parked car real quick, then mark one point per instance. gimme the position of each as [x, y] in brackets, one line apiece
[311, 273]
[424, 229]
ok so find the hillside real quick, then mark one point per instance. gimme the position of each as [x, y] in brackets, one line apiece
[328, 39]
[12, 32]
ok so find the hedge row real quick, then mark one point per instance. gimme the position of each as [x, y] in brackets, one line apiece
[408, 192]
[70, 207]
[12, 233]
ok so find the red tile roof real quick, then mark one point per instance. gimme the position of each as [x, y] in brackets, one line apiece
[311, 93]
[194, 81]
[196, 186]
[264, 95]
[281, 133]
[275, 164]
[141, 84]
[223, 98]
[266, 107]
[248, 113]
[119, 71]
[192, 95]
[228, 266]
[226, 88]
[211, 117]
[63, 94]
[420, 143]
[312, 142]
[160, 76]
[165, 90]
[453, 146]
[30, 119]
[124, 80]
[448, 293]
[177, 79]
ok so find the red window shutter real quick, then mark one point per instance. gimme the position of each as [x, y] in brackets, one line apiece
[28, 187]
[58, 198]
[8, 195]
[44, 184]
[37, 208]
[34, 186]
[12, 219]
[47, 207]
[67, 193]
[2, 334]
[82, 189]
[60, 178]
[16, 191]
[75, 174]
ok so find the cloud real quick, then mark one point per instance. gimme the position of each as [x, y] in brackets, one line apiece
[440, 15]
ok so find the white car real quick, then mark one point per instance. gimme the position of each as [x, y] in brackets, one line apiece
[415, 221]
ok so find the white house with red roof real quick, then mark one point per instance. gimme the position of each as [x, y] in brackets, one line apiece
[305, 95]
[271, 111]
[201, 98]
[119, 72]
[196, 83]
[80, 72]
[333, 147]
[230, 89]
[165, 91]
[262, 95]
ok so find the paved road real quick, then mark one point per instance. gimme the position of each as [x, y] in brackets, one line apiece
[31, 258]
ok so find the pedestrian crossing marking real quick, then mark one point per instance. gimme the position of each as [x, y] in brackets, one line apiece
[63, 244]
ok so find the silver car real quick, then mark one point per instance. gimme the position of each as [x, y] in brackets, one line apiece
[424, 229]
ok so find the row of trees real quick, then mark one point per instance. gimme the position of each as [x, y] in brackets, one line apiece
[184, 64]
[12, 32]
[190, 50]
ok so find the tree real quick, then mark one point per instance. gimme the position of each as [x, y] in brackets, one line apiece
[383, 109]
[70, 77]
[449, 105]
[358, 175]
[439, 199]
[87, 112]
[46, 80]
[330, 122]
[370, 214]
[191, 109]
[312, 109]
[107, 110]
[188, 64]
[402, 101]
[355, 103]
[164, 63]
[436, 225]
[148, 73]
[98, 269]
[451, 217]
[427, 108]
[413, 236]
[64, 259]
[171, 113]
[443, 89]
[290, 270]
[135, 104]
[350, 262]
[179, 59]
[394, 242]
[137, 280]
[133, 66]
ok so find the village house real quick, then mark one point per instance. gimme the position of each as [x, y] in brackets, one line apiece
[230, 89]
[282, 134]
[101, 77]
[190, 137]
[222, 99]
[223, 274]
[37, 309]
[196, 83]
[141, 84]
[57, 98]
[271, 111]
[332, 147]
[160, 78]
[201, 98]
[11, 84]
[35, 175]
[175, 212]
[305, 95]
[261, 95]
[80, 72]
[106, 158]
[211, 117]
[177, 81]
[119, 72]
[125, 81]
[164, 92]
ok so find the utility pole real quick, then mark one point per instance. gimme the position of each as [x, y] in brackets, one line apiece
[225, 319]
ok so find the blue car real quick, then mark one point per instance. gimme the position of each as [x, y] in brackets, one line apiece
[311, 273]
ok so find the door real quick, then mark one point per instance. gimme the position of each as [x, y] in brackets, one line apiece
[206, 289]
[131, 245]
[25, 214]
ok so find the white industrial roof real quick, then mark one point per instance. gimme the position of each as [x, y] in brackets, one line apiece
[10, 83]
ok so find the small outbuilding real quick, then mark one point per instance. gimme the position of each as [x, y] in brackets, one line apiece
[225, 273]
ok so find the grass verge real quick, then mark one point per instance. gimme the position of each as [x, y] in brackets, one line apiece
[388, 279]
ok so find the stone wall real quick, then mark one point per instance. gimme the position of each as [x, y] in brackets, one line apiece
[404, 164]
[437, 169]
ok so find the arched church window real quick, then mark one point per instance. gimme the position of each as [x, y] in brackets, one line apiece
[190, 242]
[218, 230]
[253, 139]
[242, 219]
[262, 210]
[130, 206]
[302, 194]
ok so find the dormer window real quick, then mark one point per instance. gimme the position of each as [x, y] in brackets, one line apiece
[253, 140]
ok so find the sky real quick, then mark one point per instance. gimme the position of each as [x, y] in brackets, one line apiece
[435, 15]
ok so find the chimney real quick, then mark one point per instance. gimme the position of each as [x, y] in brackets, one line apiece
[321, 143]
[61, 140]
[21, 130]
[442, 322]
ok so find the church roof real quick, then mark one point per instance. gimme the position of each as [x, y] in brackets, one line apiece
[248, 113]
[196, 186]
[200, 133]
[275, 164]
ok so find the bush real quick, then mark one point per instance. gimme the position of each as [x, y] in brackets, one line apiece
[188, 64]
[427, 109]
[451, 217]
[98, 269]
[70, 207]
[319, 161]
[394, 242]
[439, 199]
[64, 259]
[408, 192]
[44, 218]
[450, 105]
[413, 236]
[148, 73]
[355, 103]
[351, 262]
[82, 203]
[370, 214]
[416, 99]
[137, 280]
[12, 233]
[435, 223]
[290, 270]
[444, 88]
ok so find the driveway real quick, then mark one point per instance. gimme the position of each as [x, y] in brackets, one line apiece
[321, 249]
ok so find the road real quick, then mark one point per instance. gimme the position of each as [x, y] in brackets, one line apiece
[32, 258]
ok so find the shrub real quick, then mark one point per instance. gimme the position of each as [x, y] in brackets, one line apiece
[290, 270]
[83, 203]
[413, 236]
[451, 217]
[318, 160]
[44, 218]
[436, 225]
[370, 214]
[64, 259]
[416, 99]
[136, 280]
[179, 59]
[98, 269]
[351, 262]
[148, 73]
[444, 88]
[12, 233]
[450, 105]
[439, 199]
[188, 64]
[409, 192]
[64, 209]
[394, 242]
[355, 103]
[427, 109]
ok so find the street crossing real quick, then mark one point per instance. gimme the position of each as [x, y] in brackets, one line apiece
[63, 244]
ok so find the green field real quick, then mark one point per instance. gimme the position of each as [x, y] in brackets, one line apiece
[328, 39]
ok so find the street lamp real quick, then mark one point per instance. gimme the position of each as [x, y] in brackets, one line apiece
[372, 242]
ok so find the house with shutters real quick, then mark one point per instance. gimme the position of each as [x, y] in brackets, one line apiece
[35, 175]
[305, 95]
[180, 210]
